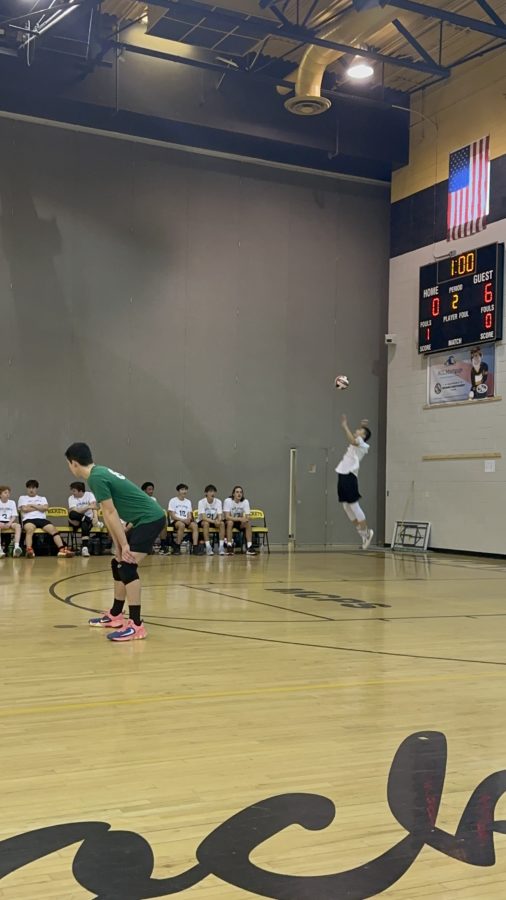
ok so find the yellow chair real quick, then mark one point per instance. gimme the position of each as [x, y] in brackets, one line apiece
[60, 513]
[258, 515]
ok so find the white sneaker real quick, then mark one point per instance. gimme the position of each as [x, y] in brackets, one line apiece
[209, 551]
[17, 552]
[2, 554]
[366, 543]
[222, 551]
[85, 551]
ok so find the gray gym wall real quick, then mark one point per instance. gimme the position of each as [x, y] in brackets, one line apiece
[186, 316]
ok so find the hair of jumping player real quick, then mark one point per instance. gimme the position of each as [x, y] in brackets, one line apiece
[32, 483]
[147, 484]
[210, 487]
[367, 434]
[181, 487]
[79, 453]
[4, 487]
[78, 486]
[238, 487]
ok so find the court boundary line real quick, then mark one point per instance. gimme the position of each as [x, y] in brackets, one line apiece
[279, 641]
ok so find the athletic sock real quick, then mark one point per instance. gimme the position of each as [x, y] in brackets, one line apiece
[363, 532]
[249, 544]
[135, 614]
[117, 608]
[221, 545]
[16, 546]
[208, 544]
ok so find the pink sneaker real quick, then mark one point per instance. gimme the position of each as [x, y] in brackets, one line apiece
[131, 632]
[108, 621]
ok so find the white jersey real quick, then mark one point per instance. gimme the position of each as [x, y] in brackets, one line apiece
[209, 510]
[180, 509]
[8, 511]
[25, 500]
[351, 460]
[236, 508]
[78, 502]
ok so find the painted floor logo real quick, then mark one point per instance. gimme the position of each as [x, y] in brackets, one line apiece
[118, 865]
[350, 602]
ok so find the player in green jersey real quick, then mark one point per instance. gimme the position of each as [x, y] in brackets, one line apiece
[120, 499]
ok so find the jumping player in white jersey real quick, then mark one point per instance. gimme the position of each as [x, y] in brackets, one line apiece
[347, 481]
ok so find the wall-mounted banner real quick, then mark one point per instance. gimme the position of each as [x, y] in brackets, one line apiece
[467, 373]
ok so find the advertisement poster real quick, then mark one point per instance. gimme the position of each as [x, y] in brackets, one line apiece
[464, 374]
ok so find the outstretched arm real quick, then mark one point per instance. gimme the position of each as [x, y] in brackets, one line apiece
[344, 422]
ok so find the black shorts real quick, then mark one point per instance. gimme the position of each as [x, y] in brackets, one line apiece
[347, 488]
[142, 537]
[39, 523]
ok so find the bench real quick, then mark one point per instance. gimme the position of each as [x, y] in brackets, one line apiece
[61, 514]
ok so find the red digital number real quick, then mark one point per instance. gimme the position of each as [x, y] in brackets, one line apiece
[427, 335]
[488, 295]
[436, 305]
[489, 321]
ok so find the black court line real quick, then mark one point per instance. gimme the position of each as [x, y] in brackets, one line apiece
[341, 619]
[338, 649]
[187, 586]
[71, 597]
[258, 602]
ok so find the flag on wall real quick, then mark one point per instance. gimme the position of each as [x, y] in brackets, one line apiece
[468, 189]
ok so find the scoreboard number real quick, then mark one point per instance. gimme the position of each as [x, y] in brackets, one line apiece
[461, 300]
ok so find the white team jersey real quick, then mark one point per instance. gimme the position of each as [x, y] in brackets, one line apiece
[25, 500]
[351, 460]
[180, 509]
[78, 502]
[8, 511]
[237, 509]
[210, 510]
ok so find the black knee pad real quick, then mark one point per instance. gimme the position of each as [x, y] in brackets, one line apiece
[115, 569]
[128, 572]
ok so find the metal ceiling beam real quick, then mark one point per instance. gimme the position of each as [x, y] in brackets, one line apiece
[261, 28]
[432, 12]
[411, 39]
[202, 63]
[491, 13]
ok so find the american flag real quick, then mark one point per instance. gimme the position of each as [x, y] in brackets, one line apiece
[468, 189]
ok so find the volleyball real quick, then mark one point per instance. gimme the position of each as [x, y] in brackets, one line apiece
[341, 382]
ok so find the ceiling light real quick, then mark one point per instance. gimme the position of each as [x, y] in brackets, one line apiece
[360, 69]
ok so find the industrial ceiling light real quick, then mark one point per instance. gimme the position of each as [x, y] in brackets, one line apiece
[360, 69]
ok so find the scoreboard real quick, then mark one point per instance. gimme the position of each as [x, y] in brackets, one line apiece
[461, 300]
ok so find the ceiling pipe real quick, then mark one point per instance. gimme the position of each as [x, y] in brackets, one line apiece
[354, 27]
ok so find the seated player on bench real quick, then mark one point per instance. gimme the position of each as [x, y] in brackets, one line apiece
[149, 489]
[181, 517]
[9, 520]
[33, 509]
[82, 513]
[210, 514]
[237, 511]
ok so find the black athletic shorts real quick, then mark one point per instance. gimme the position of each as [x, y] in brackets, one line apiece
[347, 488]
[142, 537]
[39, 523]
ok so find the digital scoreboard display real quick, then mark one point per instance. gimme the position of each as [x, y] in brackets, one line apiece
[461, 300]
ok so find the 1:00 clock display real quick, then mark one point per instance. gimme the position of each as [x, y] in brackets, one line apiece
[461, 300]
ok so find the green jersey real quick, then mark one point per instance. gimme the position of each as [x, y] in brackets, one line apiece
[132, 504]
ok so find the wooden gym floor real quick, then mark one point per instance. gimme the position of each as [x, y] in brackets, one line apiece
[263, 683]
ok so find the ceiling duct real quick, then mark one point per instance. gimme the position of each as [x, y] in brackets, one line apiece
[355, 28]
